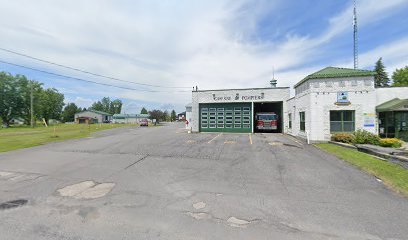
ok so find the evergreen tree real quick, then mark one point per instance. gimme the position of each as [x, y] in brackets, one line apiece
[381, 78]
[143, 111]
[400, 77]
[68, 115]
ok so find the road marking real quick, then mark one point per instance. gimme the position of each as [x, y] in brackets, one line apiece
[230, 142]
[250, 138]
[214, 138]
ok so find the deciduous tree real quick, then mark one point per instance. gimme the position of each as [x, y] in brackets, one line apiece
[400, 77]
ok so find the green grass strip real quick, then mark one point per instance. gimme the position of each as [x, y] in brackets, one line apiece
[24, 137]
[391, 174]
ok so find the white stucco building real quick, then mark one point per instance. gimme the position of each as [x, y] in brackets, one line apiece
[328, 101]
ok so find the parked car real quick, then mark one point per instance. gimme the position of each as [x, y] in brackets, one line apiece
[144, 122]
[266, 121]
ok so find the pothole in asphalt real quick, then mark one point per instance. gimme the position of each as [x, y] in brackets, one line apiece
[86, 190]
[199, 205]
[13, 204]
[236, 222]
[230, 142]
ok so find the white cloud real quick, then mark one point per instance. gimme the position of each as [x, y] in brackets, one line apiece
[186, 43]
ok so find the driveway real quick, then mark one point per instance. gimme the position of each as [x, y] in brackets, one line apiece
[163, 183]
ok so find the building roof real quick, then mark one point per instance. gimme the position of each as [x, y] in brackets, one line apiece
[123, 116]
[336, 72]
[182, 113]
[98, 112]
[392, 104]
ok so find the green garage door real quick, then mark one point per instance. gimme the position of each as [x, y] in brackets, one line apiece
[225, 117]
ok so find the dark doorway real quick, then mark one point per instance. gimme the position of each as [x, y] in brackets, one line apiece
[276, 107]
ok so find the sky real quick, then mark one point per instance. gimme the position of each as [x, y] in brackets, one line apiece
[178, 44]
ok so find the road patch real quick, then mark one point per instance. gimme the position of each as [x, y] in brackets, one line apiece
[86, 190]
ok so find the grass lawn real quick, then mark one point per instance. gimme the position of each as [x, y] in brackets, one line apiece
[23, 137]
[391, 174]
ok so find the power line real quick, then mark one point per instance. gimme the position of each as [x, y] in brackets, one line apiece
[84, 80]
[81, 70]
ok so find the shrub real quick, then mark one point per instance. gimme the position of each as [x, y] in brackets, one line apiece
[390, 142]
[365, 137]
[343, 137]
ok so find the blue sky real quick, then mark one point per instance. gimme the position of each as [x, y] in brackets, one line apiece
[212, 44]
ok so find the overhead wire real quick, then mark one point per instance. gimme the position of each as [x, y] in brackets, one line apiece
[85, 80]
[85, 71]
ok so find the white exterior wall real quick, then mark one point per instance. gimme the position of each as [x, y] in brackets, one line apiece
[318, 97]
[228, 96]
[389, 93]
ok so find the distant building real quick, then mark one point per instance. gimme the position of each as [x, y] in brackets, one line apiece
[129, 118]
[181, 116]
[93, 116]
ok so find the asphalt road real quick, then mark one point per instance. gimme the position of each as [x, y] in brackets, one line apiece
[163, 183]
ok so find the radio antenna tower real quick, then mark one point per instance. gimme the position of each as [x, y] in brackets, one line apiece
[355, 37]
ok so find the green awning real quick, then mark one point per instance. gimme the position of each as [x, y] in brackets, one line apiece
[395, 104]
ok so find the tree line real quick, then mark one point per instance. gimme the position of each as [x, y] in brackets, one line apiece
[399, 76]
[16, 94]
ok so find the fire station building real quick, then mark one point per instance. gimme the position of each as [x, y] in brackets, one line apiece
[329, 101]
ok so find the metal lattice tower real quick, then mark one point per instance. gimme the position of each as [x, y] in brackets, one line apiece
[355, 37]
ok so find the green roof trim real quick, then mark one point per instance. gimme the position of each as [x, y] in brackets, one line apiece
[99, 112]
[392, 105]
[336, 72]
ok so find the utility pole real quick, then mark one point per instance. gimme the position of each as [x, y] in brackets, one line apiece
[355, 37]
[31, 105]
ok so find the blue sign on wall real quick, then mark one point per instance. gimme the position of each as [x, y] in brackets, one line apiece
[342, 97]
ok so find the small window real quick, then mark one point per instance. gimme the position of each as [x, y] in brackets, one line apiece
[228, 122]
[228, 117]
[204, 113]
[213, 109]
[228, 109]
[213, 117]
[246, 118]
[246, 122]
[246, 126]
[212, 113]
[204, 122]
[228, 113]
[220, 113]
[220, 121]
[246, 109]
[237, 109]
[220, 109]
[220, 126]
[237, 126]
[204, 118]
[204, 109]
[220, 117]
[237, 113]
[237, 122]
[302, 121]
[212, 122]
[204, 126]
[246, 113]
[237, 117]
[212, 125]
[290, 120]
[228, 126]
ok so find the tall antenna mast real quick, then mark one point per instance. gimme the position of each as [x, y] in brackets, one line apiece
[355, 37]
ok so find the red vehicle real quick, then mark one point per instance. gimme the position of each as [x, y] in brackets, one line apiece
[266, 121]
[144, 122]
